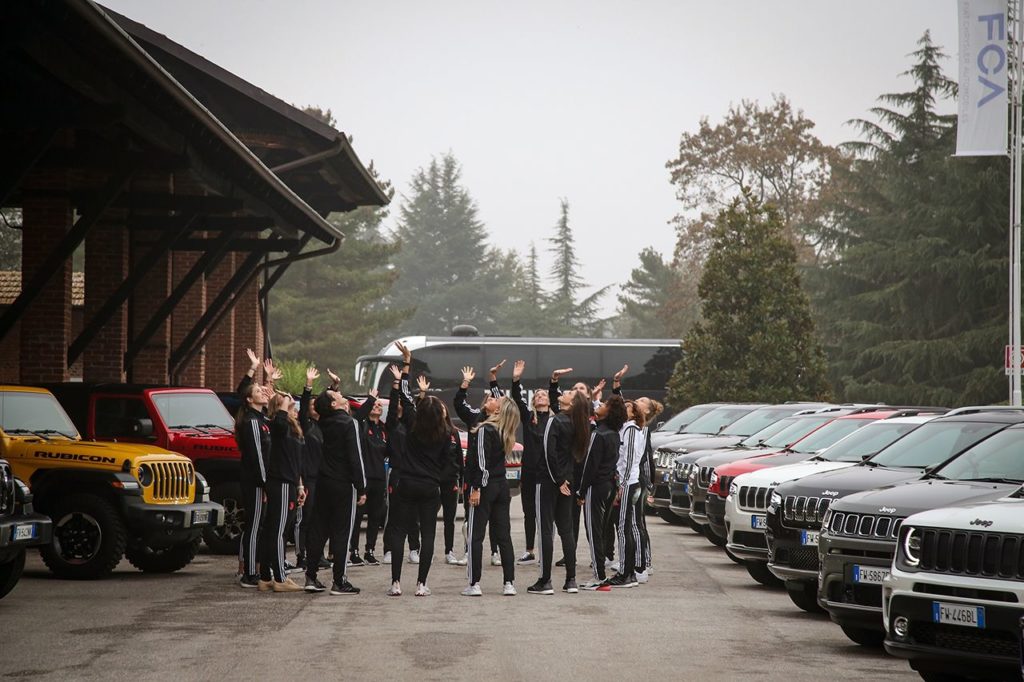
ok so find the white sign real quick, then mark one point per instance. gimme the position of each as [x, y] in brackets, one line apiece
[983, 114]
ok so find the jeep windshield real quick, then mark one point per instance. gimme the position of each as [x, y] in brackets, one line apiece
[999, 459]
[795, 429]
[933, 443]
[38, 414]
[757, 420]
[865, 442]
[687, 416]
[198, 411]
[827, 435]
[718, 418]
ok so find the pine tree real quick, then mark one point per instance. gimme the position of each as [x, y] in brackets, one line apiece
[756, 340]
[644, 299]
[570, 315]
[525, 314]
[914, 299]
[447, 269]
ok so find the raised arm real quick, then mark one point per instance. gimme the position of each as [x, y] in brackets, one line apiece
[617, 380]
[307, 396]
[394, 398]
[518, 396]
[465, 412]
[362, 413]
[553, 390]
[493, 386]
[247, 378]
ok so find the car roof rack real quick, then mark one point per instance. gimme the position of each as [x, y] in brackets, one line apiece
[974, 409]
[918, 412]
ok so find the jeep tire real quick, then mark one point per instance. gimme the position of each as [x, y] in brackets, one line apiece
[868, 637]
[162, 559]
[224, 539]
[670, 516]
[89, 538]
[10, 572]
[804, 595]
[758, 570]
[712, 537]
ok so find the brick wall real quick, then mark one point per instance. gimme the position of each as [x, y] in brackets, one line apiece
[219, 351]
[248, 330]
[150, 365]
[106, 266]
[186, 313]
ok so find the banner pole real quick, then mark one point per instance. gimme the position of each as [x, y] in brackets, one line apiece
[1015, 321]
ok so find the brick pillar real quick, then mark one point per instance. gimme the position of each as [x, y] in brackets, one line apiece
[248, 330]
[220, 348]
[150, 365]
[46, 325]
[106, 266]
[185, 315]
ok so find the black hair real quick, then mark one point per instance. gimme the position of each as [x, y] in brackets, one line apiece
[616, 416]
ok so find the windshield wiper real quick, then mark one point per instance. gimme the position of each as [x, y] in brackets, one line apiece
[59, 433]
[213, 426]
[869, 463]
[995, 479]
[18, 432]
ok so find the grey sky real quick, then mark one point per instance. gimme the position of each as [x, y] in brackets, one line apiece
[542, 100]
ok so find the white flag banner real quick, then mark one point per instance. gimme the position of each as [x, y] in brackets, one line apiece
[981, 124]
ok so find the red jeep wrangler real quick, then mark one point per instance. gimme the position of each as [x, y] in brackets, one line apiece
[190, 421]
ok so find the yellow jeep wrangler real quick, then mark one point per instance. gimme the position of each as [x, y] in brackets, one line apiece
[106, 500]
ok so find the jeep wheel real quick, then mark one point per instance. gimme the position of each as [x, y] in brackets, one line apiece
[864, 636]
[162, 559]
[88, 538]
[804, 595]
[670, 516]
[224, 539]
[713, 537]
[758, 570]
[11, 572]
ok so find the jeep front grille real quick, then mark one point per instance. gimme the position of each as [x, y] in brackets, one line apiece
[663, 458]
[754, 499]
[704, 477]
[865, 526]
[958, 552]
[805, 512]
[172, 481]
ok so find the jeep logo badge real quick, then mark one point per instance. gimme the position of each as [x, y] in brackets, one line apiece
[981, 522]
[887, 510]
[832, 493]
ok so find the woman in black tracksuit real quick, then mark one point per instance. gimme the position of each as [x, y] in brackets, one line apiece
[252, 433]
[490, 442]
[596, 486]
[375, 440]
[422, 455]
[282, 489]
[312, 453]
[450, 487]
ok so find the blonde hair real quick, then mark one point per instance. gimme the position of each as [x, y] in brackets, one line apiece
[277, 404]
[506, 421]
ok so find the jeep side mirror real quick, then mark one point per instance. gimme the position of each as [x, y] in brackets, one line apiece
[141, 428]
[660, 424]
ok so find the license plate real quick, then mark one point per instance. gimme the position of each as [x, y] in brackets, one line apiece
[25, 531]
[758, 522]
[200, 517]
[958, 614]
[512, 474]
[664, 477]
[809, 537]
[869, 575]
[686, 488]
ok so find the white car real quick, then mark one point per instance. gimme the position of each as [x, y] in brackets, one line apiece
[750, 493]
[954, 602]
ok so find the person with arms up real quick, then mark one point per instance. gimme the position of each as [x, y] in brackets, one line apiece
[631, 448]
[595, 489]
[252, 433]
[375, 440]
[284, 492]
[534, 418]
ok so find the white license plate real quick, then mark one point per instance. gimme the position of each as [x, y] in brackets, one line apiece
[665, 477]
[809, 537]
[512, 474]
[758, 522]
[25, 531]
[200, 516]
[958, 614]
[869, 575]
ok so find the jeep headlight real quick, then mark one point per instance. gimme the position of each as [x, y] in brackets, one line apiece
[733, 488]
[202, 488]
[912, 546]
[145, 475]
[826, 520]
[776, 500]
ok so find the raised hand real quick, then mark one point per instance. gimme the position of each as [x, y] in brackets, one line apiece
[517, 370]
[395, 372]
[406, 353]
[494, 370]
[468, 374]
[335, 379]
[312, 374]
[254, 362]
[600, 387]
[374, 393]
[621, 373]
[559, 373]
[422, 382]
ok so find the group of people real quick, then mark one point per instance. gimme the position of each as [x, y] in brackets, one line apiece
[323, 464]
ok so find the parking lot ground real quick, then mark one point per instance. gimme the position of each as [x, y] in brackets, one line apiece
[700, 618]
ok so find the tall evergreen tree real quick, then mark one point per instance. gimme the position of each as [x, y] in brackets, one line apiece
[644, 298]
[447, 269]
[756, 340]
[525, 313]
[914, 299]
[570, 315]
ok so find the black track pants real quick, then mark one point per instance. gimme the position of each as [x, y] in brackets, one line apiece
[373, 511]
[528, 494]
[493, 510]
[555, 509]
[280, 497]
[450, 504]
[334, 516]
[643, 553]
[595, 510]
[418, 505]
[629, 531]
[304, 520]
[253, 513]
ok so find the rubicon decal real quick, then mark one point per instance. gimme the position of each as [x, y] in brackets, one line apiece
[75, 457]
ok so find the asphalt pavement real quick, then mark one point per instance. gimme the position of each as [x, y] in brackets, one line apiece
[700, 618]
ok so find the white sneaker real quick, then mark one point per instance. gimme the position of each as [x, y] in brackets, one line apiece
[495, 559]
[414, 556]
[610, 564]
[642, 577]
[387, 558]
[396, 590]
[472, 591]
[509, 591]
[527, 558]
[422, 590]
[650, 570]
[463, 561]
[449, 558]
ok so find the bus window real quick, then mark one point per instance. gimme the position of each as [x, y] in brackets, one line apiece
[495, 353]
[584, 360]
[443, 364]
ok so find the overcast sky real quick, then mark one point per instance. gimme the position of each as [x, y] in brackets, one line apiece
[541, 100]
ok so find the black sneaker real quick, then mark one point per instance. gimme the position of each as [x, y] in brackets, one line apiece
[540, 587]
[570, 586]
[560, 563]
[300, 563]
[326, 563]
[313, 585]
[346, 588]
[248, 581]
[623, 580]
[354, 559]
[370, 560]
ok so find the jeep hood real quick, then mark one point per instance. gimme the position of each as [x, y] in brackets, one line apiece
[847, 481]
[691, 457]
[1000, 516]
[904, 499]
[768, 461]
[720, 458]
[771, 478]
